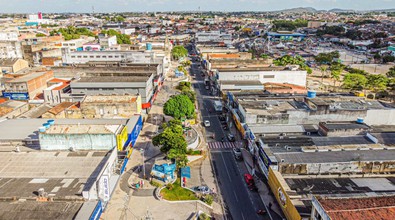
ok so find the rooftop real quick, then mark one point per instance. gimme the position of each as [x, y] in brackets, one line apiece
[102, 79]
[110, 99]
[27, 77]
[82, 129]
[368, 207]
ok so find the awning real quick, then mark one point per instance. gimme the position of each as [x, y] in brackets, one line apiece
[186, 172]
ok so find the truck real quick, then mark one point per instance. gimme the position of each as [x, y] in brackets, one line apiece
[218, 106]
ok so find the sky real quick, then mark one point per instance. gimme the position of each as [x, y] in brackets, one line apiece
[47, 6]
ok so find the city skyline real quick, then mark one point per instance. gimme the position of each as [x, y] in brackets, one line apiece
[47, 6]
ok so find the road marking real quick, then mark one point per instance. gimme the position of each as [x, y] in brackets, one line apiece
[226, 168]
[235, 196]
[242, 216]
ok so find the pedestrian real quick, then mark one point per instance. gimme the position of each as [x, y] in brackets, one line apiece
[270, 205]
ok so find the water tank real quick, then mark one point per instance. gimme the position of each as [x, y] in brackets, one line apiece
[46, 125]
[51, 122]
[148, 46]
[42, 129]
[360, 120]
[311, 94]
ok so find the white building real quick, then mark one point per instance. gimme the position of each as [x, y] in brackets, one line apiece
[214, 36]
[75, 44]
[10, 47]
[264, 75]
[108, 42]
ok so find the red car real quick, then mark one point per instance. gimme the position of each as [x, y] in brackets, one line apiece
[249, 179]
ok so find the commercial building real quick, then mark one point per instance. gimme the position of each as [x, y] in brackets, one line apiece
[12, 108]
[110, 106]
[28, 85]
[58, 91]
[213, 36]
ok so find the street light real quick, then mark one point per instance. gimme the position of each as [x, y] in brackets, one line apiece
[142, 154]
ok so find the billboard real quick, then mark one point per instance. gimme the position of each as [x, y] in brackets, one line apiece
[275, 179]
[16, 95]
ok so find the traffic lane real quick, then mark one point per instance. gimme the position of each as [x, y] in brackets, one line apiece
[234, 191]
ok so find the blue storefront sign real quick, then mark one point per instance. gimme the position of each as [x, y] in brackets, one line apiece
[135, 133]
[16, 95]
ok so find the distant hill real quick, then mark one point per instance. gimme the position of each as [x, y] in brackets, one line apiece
[338, 10]
[299, 10]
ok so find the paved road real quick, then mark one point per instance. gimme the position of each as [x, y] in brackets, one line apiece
[240, 202]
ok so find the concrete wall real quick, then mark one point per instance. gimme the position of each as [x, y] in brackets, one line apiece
[380, 117]
[77, 141]
[110, 110]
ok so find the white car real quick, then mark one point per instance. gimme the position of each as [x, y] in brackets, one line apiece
[207, 123]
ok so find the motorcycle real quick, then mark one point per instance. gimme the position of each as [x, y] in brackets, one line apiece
[261, 212]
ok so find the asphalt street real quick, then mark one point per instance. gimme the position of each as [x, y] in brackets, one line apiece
[240, 202]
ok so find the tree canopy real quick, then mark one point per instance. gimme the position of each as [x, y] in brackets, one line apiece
[327, 58]
[355, 81]
[121, 38]
[377, 82]
[289, 25]
[293, 60]
[179, 106]
[72, 32]
[178, 52]
[391, 72]
[172, 142]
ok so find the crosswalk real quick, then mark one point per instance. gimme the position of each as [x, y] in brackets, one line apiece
[223, 145]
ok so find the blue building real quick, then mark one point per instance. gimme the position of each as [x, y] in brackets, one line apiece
[286, 36]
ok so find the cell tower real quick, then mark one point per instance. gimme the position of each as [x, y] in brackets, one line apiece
[93, 9]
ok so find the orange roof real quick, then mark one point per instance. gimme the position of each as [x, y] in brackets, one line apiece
[223, 56]
[2, 100]
[62, 86]
[57, 80]
[382, 207]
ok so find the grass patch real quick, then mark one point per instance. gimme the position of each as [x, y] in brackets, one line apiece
[194, 152]
[155, 184]
[174, 192]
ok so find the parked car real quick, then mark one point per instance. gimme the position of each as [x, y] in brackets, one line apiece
[207, 87]
[222, 118]
[207, 123]
[237, 153]
[249, 179]
[231, 137]
[225, 127]
[202, 189]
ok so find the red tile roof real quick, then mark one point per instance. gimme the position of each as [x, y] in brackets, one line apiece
[382, 208]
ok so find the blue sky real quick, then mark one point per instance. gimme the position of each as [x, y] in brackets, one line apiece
[30, 6]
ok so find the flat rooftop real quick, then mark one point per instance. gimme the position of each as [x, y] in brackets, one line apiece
[27, 77]
[110, 79]
[21, 210]
[23, 129]
[83, 129]
[336, 156]
[110, 99]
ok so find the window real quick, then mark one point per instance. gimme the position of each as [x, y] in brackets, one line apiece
[85, 56]
[97, 56]
[116, 56]
[91, 56]
[104, 57]
[115, 111]
[268, 77]
[72, 56]
[109, 56]
[79, 56]
[101, 110]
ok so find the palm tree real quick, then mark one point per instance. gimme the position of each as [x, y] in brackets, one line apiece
[323, 69]
[336, 71]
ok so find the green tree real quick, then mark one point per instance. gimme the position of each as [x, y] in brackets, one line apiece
[121, 38]
[391, 72]
[355, 81]
[40, 35]
[178, 52]
[323, 69]
[172, 142]
[377, 82]
[326, 58]
[388, 58]
[336, 71]
[179, 106]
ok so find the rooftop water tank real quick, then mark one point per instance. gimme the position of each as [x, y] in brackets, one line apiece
[42, 129]
[51, 122]
[148, 46]
[46, 125]
[360, 120]
[311, 94]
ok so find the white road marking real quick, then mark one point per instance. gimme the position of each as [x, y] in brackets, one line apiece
[226, 168]
[235, 196]
[242, 216]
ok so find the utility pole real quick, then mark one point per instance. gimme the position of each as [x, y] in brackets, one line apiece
[142, 154]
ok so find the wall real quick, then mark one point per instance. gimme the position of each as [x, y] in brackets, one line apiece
[380, 117]
[280, 188]
[110, 110]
